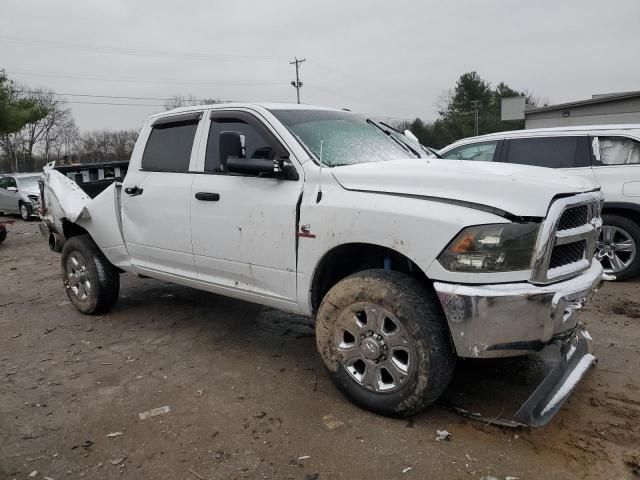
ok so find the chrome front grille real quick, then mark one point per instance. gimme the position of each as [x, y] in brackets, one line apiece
[567, 238]
[574, 217]
[565, 254]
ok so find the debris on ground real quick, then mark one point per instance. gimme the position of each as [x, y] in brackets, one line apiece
[501, 422]
[154, 412]
[331, 422]
[118, 461]
[114, 434]
[34, 473]
[199, 393]
[197, 475]
[407, 469]
[443, 435]
[304, 457]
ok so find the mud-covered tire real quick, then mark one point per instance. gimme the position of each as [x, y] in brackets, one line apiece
[626, 230]
[26, 211]
[415, 311]
[91, 281]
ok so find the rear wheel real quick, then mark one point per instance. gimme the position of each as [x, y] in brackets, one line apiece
[92, 283]
[617, 247]
[26, 211]
[384, 339]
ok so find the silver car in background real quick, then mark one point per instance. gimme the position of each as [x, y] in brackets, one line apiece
[19, 193]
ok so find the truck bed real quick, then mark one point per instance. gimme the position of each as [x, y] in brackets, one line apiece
[94, 178]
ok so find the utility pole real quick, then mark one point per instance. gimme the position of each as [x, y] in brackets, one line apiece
[475, 112]
[297, 83]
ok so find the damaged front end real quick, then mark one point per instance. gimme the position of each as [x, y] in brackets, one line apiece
[507, 320]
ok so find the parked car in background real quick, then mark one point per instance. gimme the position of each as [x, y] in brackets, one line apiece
[19, 193]
[330, 214]
[608, 154]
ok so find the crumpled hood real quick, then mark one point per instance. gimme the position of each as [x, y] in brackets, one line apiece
[30, 191]
[520, 190]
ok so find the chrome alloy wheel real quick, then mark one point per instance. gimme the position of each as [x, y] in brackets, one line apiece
[373, 347]
[615, 249]
[78, 276]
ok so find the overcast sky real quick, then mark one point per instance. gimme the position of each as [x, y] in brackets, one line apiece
[388, 58]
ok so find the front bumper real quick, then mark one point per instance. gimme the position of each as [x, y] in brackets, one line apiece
[513, 319]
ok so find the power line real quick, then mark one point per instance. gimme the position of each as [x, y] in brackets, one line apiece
[116, 104]
[135, 80]
[123, 97]
[136, 52]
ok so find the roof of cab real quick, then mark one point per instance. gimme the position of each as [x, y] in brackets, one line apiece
[265, 105]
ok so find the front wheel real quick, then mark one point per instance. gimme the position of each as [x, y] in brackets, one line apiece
[617, 247]
[384, 339]
[91, 281]
[26, 211]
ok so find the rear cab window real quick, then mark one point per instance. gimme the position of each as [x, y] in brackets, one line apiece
[170, 143]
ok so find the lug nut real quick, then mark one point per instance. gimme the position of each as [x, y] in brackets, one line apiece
[362, 337]
[369, 333]
[379, 337]
[384, 347]
[383, 357]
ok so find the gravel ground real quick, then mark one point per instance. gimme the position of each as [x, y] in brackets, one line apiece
[238, 391]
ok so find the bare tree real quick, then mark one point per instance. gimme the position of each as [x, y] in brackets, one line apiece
[177, 101]
[106, 145]
[21, 148]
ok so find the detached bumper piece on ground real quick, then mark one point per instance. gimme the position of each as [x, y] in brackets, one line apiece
[491, 321]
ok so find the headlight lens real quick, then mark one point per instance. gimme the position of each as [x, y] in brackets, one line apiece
[502, 247]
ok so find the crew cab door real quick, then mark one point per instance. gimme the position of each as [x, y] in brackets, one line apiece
[155, 199]
[243, 226]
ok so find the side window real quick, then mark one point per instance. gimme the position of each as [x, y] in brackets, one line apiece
[482, 152]
[552, 152]
[169, 147]
[3, 183]
[11, 182]
[253, 142]
[615, 151]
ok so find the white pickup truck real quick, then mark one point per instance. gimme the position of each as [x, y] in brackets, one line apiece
[406, 261]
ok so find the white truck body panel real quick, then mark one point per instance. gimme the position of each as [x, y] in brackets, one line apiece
[247, 247]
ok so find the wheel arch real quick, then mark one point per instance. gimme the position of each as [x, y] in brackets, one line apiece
[71, 229]
[624, 209]
[348, 258]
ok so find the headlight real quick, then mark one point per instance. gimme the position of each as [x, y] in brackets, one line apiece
[502, 247]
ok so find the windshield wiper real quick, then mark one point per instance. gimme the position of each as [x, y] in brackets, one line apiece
[389, 133]
[426, 150]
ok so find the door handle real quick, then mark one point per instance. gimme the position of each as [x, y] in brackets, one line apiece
[133, 191]
[207, 197]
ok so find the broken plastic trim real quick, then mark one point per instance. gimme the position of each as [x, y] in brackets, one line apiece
[576, 358]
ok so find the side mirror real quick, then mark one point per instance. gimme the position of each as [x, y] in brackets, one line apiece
[250, 166]
[12, 189]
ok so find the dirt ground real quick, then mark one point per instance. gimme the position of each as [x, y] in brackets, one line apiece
[248, 397]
